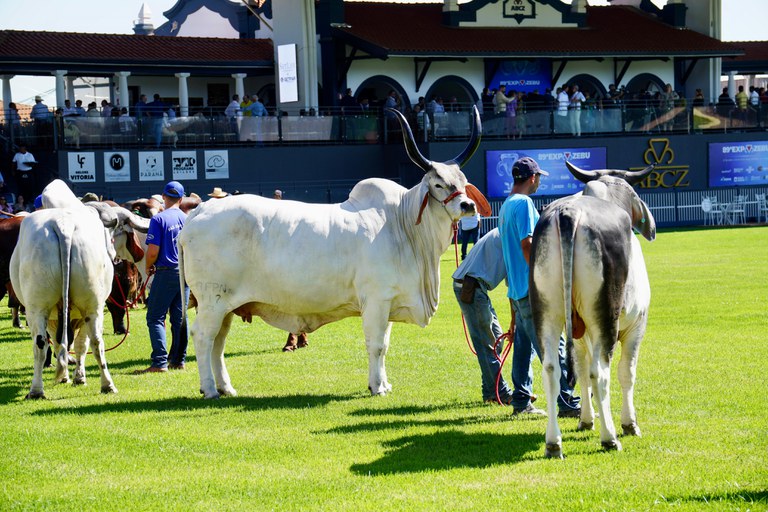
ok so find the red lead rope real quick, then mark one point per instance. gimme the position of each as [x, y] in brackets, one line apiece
[125, 306]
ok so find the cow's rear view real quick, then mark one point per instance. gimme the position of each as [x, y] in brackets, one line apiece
[588, 279]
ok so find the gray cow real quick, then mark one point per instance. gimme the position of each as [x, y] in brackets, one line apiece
[588, 278]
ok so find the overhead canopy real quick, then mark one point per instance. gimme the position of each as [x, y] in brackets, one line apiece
[754, 60]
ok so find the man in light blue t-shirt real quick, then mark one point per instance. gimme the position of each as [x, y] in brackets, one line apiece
[517, 219]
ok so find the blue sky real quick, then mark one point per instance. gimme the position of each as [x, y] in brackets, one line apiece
[117, 17]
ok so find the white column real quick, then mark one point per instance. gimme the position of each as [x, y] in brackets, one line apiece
[60, 96]
[71, 89]
[122, 84]
[732, 84]
[239, 85]
[7, 98]
[183, 94]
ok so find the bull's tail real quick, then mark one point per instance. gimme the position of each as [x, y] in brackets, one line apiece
[567, 224]
[65, 232]
[182, 287]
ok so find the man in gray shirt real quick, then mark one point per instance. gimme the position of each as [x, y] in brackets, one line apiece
[481, 271]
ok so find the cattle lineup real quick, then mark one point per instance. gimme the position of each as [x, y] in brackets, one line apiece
[379, 254]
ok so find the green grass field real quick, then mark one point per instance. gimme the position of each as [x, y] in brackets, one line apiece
[304, 434]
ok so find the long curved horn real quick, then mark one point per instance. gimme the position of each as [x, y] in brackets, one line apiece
[580, 174]
[137, 222]
[106, 215]
[631, 177]
[410, 143]
[474, 139]
[634, 177]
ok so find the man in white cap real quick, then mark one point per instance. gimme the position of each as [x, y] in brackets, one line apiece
[162, 260]
[278, 194]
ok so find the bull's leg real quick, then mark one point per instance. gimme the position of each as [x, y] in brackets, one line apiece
[95, 328]
[61, 354]
[583, 352]
[207, 325]
[81, 347]
[223, 384]
[15, 317]
[601, 374]
[377, 328]
[550, 374]
[37, 325]
[630, 348]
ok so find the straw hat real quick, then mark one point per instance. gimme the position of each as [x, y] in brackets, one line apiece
[218, 193]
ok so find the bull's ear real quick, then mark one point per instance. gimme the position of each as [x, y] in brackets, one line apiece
[642, 220]
[481, 203]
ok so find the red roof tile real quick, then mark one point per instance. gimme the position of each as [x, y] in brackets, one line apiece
[27, 46]
[417, 29]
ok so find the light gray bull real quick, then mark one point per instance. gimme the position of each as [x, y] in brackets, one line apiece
[588, 278]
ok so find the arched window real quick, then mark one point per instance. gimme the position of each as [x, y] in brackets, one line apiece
[452, 86]
[376, 89]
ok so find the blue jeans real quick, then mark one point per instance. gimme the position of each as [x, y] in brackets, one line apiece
[522, 373]
[165, 297]
[484, 329]
[468, 235]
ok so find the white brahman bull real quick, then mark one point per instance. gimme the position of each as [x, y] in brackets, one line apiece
[62, 262]
[588, 278]
[300, 266]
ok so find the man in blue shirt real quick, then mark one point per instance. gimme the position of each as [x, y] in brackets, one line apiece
[480, 272]
[162, 260]
[517, 219]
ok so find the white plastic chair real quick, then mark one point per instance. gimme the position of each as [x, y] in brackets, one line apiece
[736, 211]
[762, 210]
[712, 211]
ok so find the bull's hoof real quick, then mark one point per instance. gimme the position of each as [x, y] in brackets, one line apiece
[227, 391]
[71, 361]
[611, 446]
[35, 395]
[210, 396]
[585, 426]
[554, 451]
[16, 324]
[78, 381]
[111, 389]
[631, 430]
[63, 380]
[289, 348]
[302, 341]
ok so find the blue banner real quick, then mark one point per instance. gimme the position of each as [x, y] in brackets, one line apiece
[523, 75]
[560, 182]
[738, 164]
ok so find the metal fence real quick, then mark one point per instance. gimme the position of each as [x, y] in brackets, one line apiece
[331, 126]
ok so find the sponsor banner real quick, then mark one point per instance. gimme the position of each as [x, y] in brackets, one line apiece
[287, 73]
[184, 165]
[560, 182]
[82, 167]
[151, 166]
[217, 165]
[733, 164]
[117, 166]
[523, 75]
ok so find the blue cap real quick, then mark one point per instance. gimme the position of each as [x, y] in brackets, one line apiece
[173, 189]
[526, 167]
[39, 202]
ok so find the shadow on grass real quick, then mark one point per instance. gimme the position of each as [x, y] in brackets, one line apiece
[404, 424]
[262, 403]
[10, 393]
[747, 497]
[13, 335]
[450, 449]
[409, 409]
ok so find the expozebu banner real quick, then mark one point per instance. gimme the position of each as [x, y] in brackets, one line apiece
[738, 163]
[560, 182]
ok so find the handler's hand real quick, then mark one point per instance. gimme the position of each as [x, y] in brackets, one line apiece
[151, 271]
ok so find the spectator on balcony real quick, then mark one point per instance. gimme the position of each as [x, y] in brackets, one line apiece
[93, 110]
[501, 100]
[668, 100]
[365, 107]
[698, 99]
[126, 122]
[256, 108]
[725, 104]
[69, 130]
[576, 99]
[453, 105]
[13, 117]
[40, 112]
[140, 110]
[754, 97]
[348, 103]
[486, 98]
[233, 108]
[68, 110]
[563, 101]
[157, 112]
[79, 110]
[247, 102]
[106, 109]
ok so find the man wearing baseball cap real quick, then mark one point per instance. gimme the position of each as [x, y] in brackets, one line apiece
[517, 219]
[162, 260]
